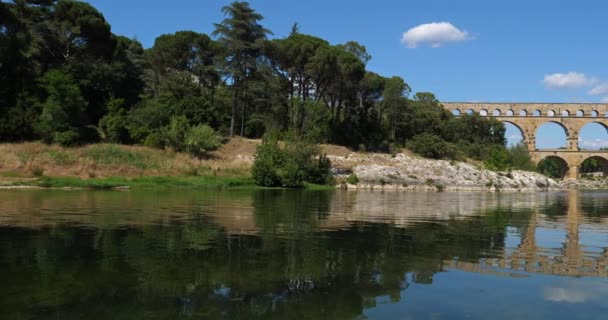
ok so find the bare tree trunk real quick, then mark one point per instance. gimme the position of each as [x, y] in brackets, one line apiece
[243, 113]
[234, 105]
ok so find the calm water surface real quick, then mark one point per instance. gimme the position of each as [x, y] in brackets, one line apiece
[302, 255]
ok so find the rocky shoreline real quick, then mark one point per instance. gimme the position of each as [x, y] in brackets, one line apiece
[412, 173]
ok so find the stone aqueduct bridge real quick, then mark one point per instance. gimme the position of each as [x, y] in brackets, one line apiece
[528, 117]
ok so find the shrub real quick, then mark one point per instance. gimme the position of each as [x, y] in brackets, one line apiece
[498, 159]
[201, 139]
[154, 140]
[70, 138]
[175, 133]
[37, 171]
[431, 146]
[269, 158]
[290, 166]
[352, 179]
[520, 158]
[114, 127]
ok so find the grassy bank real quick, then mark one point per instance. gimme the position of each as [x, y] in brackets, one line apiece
[202, 182]
[109, 160]
[108, 166]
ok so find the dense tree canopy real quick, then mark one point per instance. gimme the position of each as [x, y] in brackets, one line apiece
[66, 78]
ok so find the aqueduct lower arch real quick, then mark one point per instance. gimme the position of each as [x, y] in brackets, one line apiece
[528, 117]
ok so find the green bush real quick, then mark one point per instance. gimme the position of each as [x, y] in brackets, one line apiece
[114, 128]
[498, 159]
[520, 158]
[70, 138]
[175, 133]
[431, 146]
[202, 138]
[154, 140]
[269, 159]
[290, 166]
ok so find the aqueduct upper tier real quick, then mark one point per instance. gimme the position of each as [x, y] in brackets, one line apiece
[528, 117]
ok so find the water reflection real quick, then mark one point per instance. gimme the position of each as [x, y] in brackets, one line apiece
[291, 255]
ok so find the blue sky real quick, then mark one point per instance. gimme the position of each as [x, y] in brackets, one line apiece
[496, 51]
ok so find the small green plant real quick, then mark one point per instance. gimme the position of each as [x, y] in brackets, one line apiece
[70, 138]
[352, 179]
[382, 182]
[37, 171]
[154, 140]
[201, 139]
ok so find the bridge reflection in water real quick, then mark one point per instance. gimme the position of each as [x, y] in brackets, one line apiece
[549, 233]
[569, 260]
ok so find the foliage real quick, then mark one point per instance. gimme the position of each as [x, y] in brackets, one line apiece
[69, 138]
[176, 132]
[154, 140]
[431, 146]
[520, 159]
[289, 166]
[201, 139]
[498, 159]
[553, 167]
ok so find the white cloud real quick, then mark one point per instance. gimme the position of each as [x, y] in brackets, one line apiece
[601, 88]
[568, 80]
[434, 34]
[594, 144]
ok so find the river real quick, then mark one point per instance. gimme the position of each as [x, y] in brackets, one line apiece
[279, 254]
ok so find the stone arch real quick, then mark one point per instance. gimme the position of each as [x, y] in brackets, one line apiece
[594, 114]
[600, 166]
[510, 113]
[483, 112]
[551, 113]
[523, 113]
[544, 126]
[470, 111]
[456, 112]
[519, 128]
[584, 139]
[496, 113]
[559, 167]
[580, 113]
[565, 113]
[536, 113]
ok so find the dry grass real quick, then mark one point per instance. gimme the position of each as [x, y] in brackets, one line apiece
[34, 159]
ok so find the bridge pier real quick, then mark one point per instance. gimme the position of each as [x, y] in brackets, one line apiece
[573, 172]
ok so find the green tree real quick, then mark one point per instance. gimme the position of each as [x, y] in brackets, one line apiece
[242, 37]
[394, 102]
[64, 107]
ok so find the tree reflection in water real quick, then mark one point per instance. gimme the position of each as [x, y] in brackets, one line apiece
[267, 254]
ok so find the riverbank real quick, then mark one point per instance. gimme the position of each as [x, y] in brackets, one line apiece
[108, 166]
